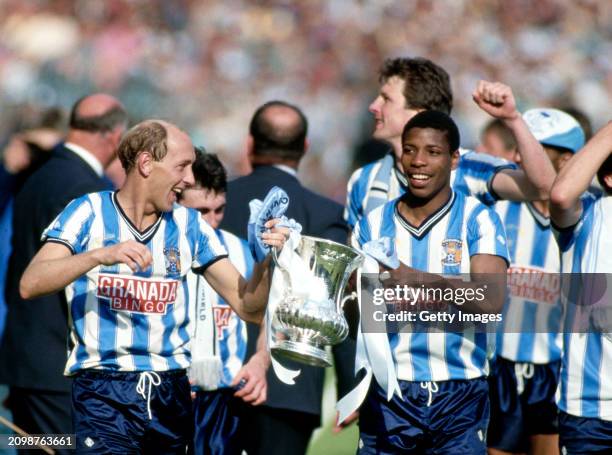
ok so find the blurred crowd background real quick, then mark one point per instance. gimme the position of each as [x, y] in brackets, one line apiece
[206, 65]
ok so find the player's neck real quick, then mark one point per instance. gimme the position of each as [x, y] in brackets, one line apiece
[258, 160]
[140, 212]
[416, 210]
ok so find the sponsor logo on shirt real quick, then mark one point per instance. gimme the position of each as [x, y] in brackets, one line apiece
[533, 284]
[136, 294]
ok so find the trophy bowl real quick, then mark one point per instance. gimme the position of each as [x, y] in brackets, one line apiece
[304, 326]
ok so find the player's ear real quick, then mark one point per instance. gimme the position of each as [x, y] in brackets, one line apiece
[144, 163]
[455, 159]
[608, 181]
[250, 147]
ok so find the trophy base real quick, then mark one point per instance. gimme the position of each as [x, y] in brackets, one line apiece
[303, 353]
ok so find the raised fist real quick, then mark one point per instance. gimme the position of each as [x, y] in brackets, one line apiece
[496, 99]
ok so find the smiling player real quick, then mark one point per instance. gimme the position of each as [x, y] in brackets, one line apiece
[123, 258]
[444, 405]
[412, 85]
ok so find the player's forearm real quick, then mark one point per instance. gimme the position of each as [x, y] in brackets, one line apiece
[255, 292]
[576, 176]
[534, 160]
[45, 276]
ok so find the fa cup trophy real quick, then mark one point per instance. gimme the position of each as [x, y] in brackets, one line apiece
[309, 321]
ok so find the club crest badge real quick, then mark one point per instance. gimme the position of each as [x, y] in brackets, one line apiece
[172, 257]
[451, 252]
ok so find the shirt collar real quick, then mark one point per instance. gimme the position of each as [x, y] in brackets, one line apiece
[287, 169]
[86, 156]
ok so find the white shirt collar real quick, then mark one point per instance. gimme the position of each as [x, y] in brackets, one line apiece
[287, 169]
[91, 160]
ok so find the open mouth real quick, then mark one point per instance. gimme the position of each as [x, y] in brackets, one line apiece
[419, 180]
[177, 193]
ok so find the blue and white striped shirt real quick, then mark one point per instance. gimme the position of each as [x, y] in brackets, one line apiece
[368, 188]
[472, 228]
[126, 321]
[230, 330]
[585, 387]
[533, 302]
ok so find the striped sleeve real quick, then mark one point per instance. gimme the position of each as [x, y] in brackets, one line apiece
[486, 234]
[71, 227]
[362, 233]
[248, 258]
[357, 189]
[475, 175]
[209, 248]
[239, 252]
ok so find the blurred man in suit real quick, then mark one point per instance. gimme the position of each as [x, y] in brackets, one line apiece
[34, 347]
[276, 144]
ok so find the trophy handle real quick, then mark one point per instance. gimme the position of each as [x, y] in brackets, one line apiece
[351, 296]
[285, 272]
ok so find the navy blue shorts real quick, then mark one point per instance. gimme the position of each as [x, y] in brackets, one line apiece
[111, 415]
[449, 417]
[580, 435]
[218, 415]
[522, 403]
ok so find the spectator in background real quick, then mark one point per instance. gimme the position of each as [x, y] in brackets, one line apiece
[33, 350]
[497, 140]
[24, 153]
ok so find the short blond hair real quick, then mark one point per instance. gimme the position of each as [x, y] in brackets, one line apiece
[149, 136]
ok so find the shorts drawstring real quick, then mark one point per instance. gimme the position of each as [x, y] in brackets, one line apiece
[147, 378]
[432, 388]
[522, 371]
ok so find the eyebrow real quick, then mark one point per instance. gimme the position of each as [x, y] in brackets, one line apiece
[410, 144]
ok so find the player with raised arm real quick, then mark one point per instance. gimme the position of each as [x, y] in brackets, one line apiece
[525, 373]
[412, 85]
[123, 258]
[584, 234]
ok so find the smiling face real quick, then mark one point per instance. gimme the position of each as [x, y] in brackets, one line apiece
[390, 112]
[172, 175]
[210, 204]
[427, 162]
